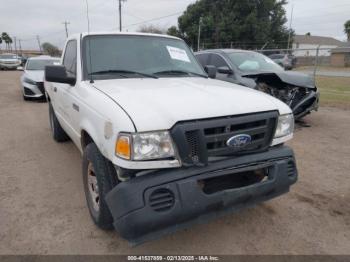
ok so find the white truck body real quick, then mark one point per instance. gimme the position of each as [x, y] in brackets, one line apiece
[94, 110]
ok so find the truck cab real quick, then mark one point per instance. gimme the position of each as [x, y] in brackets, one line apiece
[163, 145]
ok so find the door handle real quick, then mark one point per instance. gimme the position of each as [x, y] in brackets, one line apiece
[55, 89]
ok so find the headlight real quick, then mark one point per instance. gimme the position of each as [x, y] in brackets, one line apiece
[284, 130]
[145, 146]
[29, 81]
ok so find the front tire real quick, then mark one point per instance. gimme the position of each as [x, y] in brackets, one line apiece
[58, 134]
[99, 177]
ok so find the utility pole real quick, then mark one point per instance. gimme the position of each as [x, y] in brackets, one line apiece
[199, 33]
[14, 38]
[20, 46]
[316, 62]
[120, 15]
[290, 26]
[66, 27]
[38, 38]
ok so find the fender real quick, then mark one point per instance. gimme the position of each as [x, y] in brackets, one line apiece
[98, 139]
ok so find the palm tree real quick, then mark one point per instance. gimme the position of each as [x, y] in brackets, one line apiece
[347, 29]
[7, 39]
[10, 43]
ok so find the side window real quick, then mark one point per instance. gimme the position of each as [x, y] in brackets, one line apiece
[217, 61]
[70, 57]
[202, 59]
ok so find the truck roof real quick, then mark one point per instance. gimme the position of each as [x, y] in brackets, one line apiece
[83, 34]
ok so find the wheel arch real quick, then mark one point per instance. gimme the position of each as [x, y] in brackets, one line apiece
[88, 134]
[85, 138]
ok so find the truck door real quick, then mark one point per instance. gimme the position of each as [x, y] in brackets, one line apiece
[65, 91]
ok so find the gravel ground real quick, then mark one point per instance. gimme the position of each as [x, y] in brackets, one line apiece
[43, 211]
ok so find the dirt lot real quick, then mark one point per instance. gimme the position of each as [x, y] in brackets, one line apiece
[43, 211]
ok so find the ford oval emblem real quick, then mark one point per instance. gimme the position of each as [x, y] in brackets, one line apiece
[239, 141]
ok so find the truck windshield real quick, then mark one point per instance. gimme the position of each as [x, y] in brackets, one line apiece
[39, 64]
[130, 56]
[253, 62]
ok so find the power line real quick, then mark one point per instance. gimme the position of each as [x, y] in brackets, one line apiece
[154, 19]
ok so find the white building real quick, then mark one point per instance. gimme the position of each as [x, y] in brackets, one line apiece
[307, 45]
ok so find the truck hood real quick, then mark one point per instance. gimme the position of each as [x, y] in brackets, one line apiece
[288, 77]
[157, 104]
[35, 75]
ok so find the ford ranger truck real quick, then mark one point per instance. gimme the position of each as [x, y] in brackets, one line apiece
[164, 145]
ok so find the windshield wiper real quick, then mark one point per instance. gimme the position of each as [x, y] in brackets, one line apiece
[169, 72]
[121, 72]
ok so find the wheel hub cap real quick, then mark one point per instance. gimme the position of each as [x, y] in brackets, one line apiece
[93, 188]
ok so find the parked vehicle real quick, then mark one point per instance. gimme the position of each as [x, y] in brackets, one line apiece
[287, 61]
[23, 59]
[163, 145]
[254, 70]
[32, 79]
[9, 62]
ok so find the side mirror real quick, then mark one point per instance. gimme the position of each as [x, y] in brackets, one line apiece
[211, 71]
[58, 74]
[225, 70]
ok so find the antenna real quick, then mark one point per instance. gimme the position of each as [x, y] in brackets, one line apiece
[88, 23]
[290, 27]
[120, 15]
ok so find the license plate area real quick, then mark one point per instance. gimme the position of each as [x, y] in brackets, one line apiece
[233, 180]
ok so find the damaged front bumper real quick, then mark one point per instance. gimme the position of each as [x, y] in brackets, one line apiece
[306, 105]
[149, 206]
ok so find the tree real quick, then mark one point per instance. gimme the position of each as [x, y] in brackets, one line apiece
[7, 39]
[150, 29]
[0, 42]
[347, 29]
[50, 49]
[173, 31]
[308, 34]
[246, 24]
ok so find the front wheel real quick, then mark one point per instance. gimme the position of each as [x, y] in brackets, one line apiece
[99, 177]
[58, 134]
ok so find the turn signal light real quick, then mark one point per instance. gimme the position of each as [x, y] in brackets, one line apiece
[122, 147]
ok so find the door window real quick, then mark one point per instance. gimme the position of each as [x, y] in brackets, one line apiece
[70, 57]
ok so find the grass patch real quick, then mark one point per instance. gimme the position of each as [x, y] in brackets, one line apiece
[323, 68]
[335, 91]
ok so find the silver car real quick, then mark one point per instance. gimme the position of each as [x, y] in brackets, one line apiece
[9, 61]
[32, 79]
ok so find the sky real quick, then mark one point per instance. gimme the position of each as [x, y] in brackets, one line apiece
[26, 19]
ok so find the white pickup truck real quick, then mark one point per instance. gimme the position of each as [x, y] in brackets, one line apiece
[164, 145]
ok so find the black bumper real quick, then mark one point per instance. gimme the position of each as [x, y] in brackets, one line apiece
[152, 205]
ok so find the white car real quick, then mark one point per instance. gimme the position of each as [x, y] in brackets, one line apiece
[9, 61]
[163, 144]
[32, 79]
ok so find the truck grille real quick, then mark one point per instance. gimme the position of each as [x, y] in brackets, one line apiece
[199, 140]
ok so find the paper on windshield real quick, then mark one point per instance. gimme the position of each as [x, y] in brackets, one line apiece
[178, 54]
